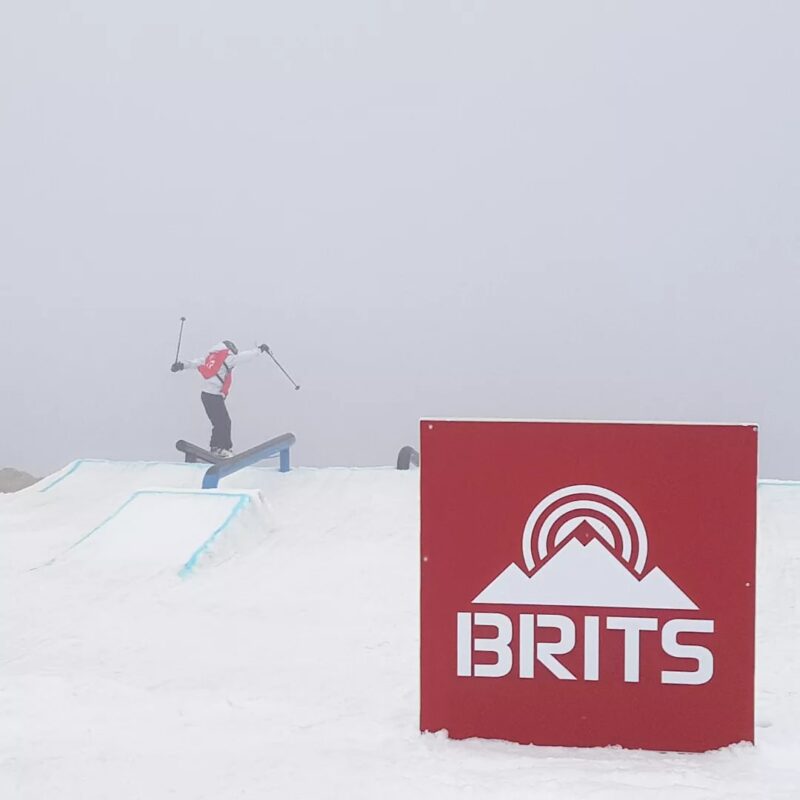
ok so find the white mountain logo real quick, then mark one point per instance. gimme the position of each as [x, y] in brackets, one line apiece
[591, 550]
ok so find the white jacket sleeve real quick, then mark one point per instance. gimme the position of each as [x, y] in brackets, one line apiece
[193, 363]
[241, 357]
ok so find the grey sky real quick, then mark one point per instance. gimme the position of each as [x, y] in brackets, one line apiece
[518, 209]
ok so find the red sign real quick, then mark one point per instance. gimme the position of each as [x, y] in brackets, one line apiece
[589, 584]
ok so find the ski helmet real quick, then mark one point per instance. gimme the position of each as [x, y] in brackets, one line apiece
[230, 345]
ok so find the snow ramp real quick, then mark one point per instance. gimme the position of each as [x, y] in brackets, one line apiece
[130, 517]
[43, 521]
[156, 529]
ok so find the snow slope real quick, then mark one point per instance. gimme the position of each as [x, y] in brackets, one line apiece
[285, 663]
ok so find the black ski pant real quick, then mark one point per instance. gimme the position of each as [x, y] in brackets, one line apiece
[214, 404]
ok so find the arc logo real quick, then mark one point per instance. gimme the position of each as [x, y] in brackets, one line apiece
[585, 546]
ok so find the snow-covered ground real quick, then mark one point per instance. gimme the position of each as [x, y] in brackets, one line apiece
[285, 663]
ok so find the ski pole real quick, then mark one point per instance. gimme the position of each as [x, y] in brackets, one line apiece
[269, 353]
[180, 336]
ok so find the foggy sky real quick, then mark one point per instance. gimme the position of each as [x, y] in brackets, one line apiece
[563, 210]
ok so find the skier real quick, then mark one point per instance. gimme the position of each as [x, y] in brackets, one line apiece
[216, 369]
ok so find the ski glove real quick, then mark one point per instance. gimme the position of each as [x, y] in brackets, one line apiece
[263, 348]
[177, 366]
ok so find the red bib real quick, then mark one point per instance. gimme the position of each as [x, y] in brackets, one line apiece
[212, 366]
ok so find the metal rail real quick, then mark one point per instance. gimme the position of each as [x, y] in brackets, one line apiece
[279, 446]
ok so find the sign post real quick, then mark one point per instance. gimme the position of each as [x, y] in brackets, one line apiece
[588, 584]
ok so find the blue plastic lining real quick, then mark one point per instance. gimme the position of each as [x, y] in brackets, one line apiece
[193, 559]
[61, 477]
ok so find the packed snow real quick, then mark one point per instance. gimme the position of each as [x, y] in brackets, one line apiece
[283, 660]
